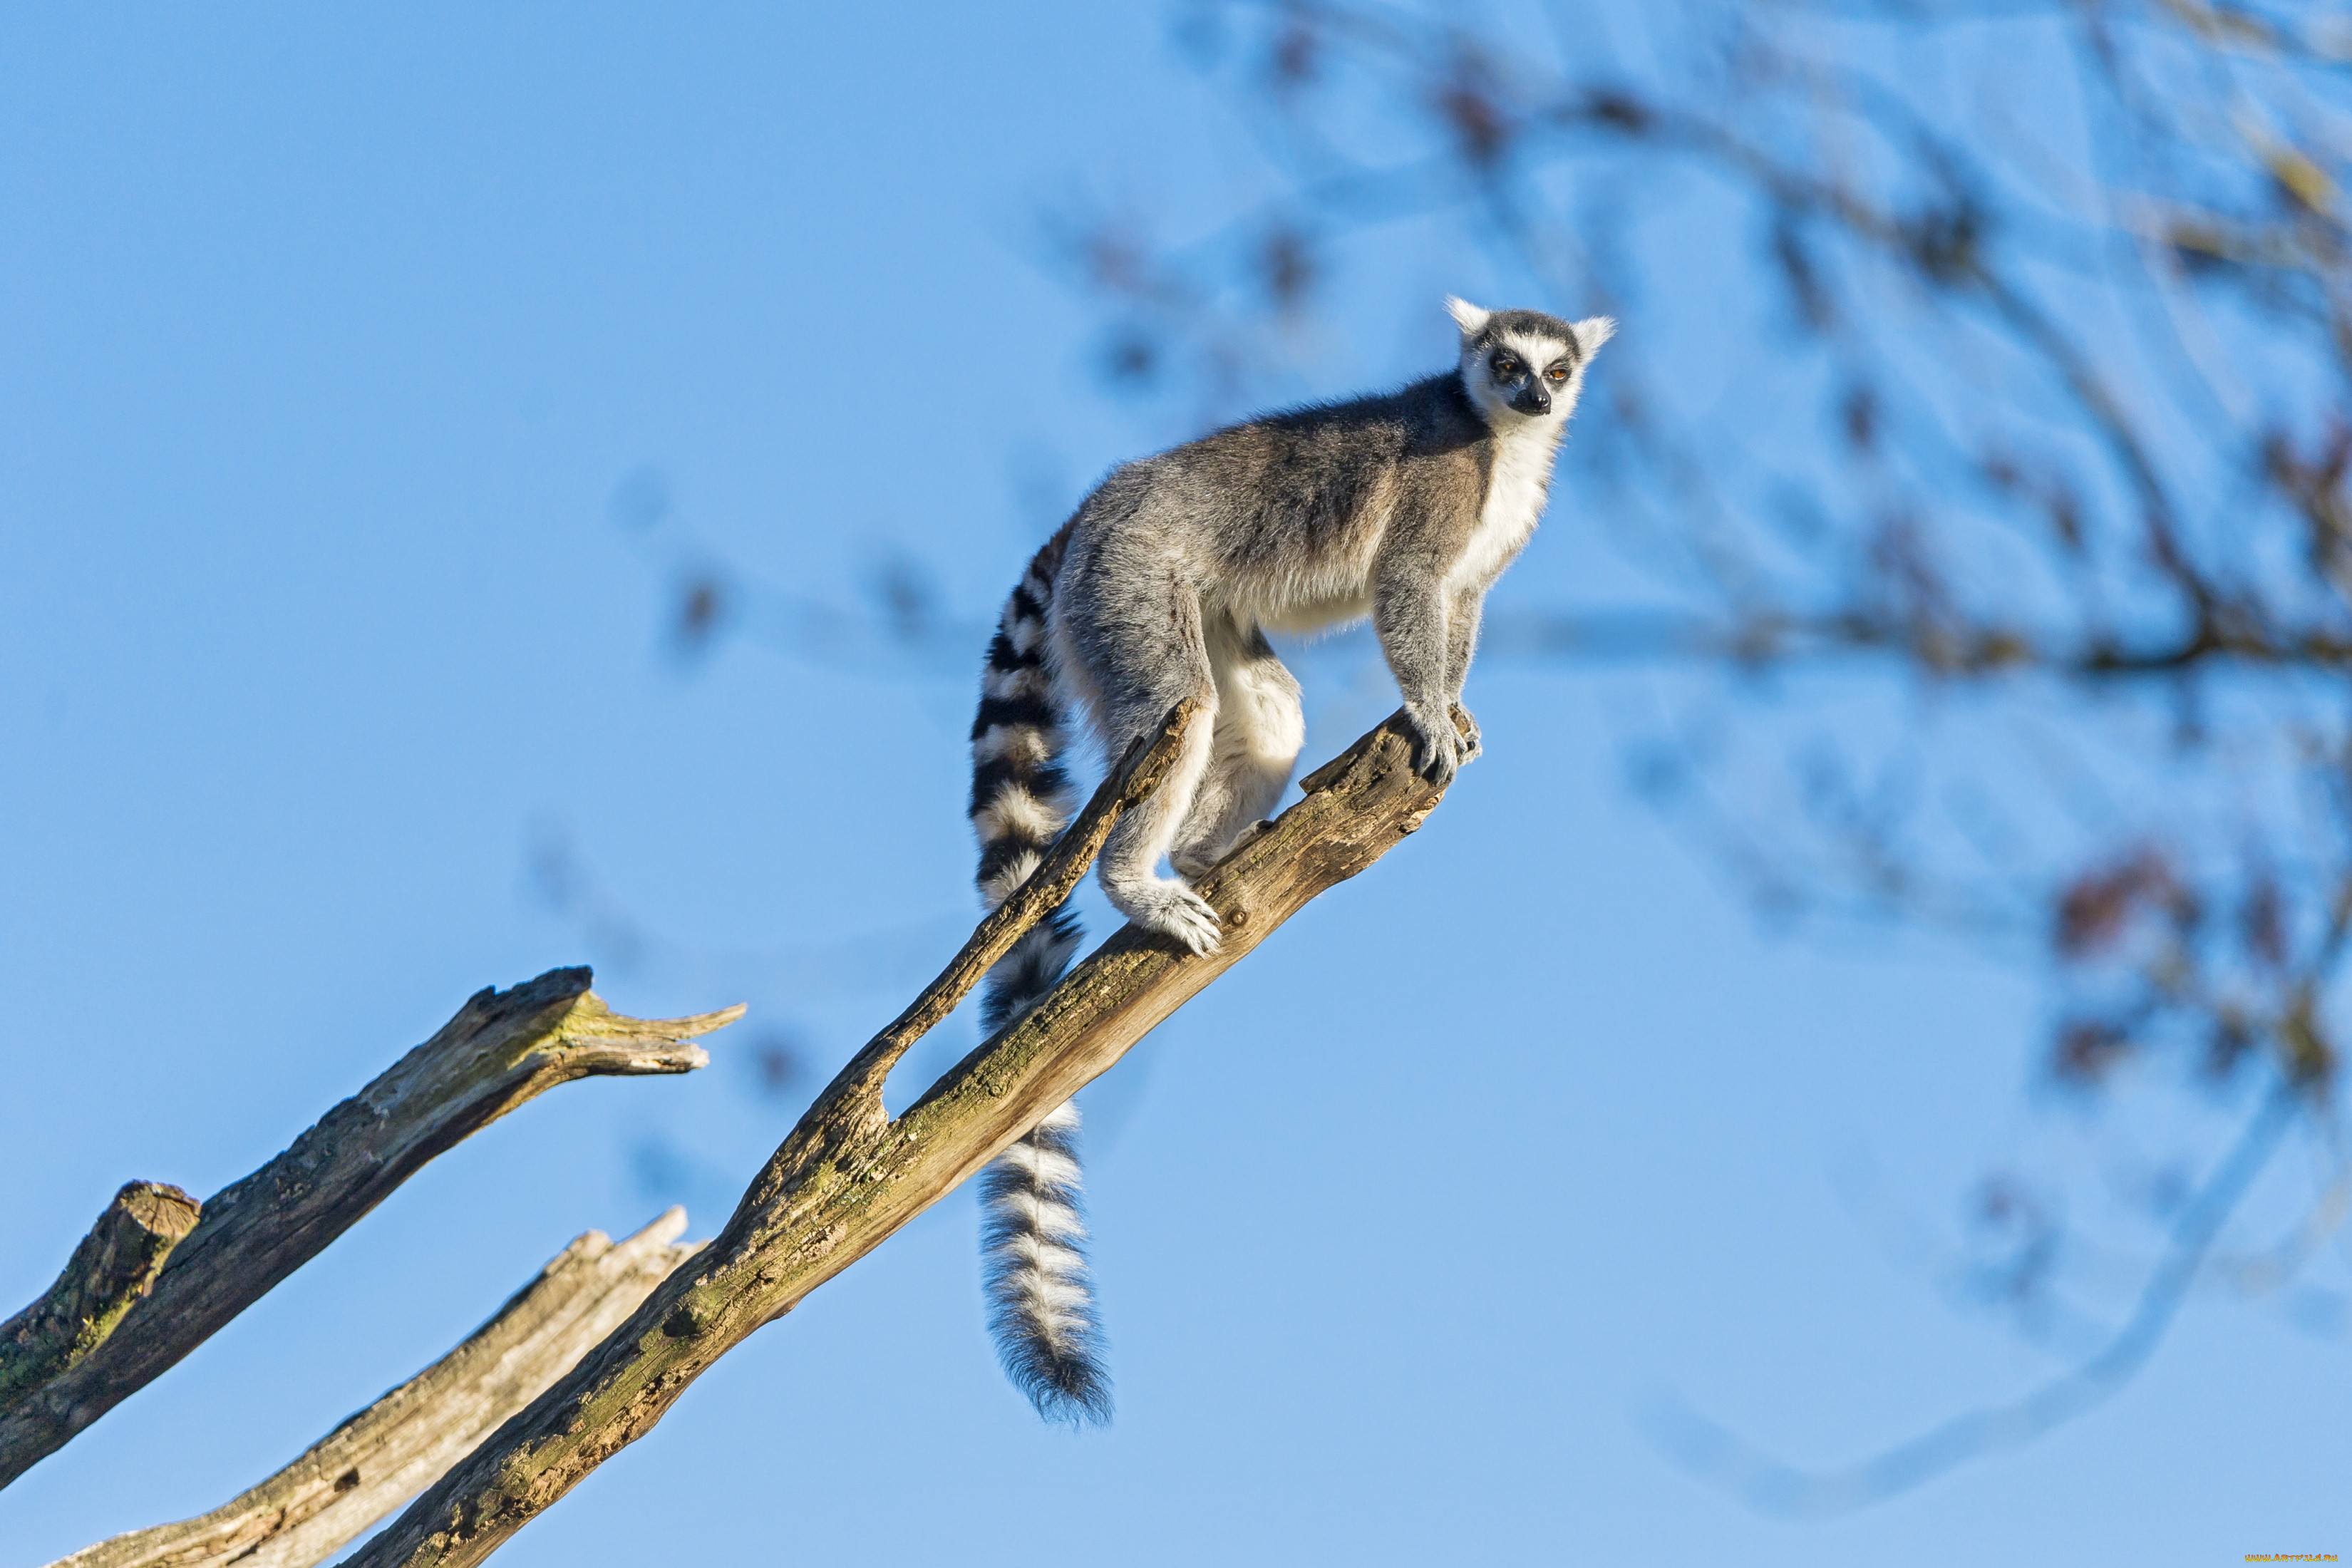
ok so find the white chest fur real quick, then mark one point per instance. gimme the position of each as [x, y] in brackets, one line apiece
[1515, 499]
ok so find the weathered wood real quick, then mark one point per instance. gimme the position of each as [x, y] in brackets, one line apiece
[396, 1447]
[113, 1266]
[846, 1178]
[1139, 772]
[502, 1048]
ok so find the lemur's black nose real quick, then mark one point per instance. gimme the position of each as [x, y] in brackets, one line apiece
[1532, 399]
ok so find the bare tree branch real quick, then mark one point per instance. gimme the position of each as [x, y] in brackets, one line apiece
[115, 1265]
[848, 1176]
[502, 1048]
[1147, 762]
[396, 1447]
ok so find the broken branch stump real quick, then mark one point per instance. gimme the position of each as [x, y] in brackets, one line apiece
[503, 1047]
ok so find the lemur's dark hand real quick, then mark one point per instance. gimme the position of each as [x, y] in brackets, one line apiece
[1437, 754]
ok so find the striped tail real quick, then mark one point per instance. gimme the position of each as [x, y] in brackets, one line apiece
[1041, 1305]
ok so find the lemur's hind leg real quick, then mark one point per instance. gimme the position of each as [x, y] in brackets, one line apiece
[1134, 682]
[1131, 857]
[1260, 728]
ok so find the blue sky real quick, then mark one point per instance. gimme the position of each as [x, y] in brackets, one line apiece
[325, 340]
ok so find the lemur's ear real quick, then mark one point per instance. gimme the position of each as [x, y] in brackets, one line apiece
[1467, 316]
[1593, 331]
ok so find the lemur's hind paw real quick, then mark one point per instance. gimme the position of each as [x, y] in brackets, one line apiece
[1190, 865]
[1193, 865]
[1173, 909]
[1252, 834]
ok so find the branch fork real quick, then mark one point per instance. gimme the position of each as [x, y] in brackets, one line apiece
[848, 1176]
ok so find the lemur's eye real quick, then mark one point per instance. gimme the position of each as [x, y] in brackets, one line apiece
[1506, 367]
[1555, 374]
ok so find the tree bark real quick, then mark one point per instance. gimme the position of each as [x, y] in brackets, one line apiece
[396, 1447]
[849, 1175]
[502, 1048]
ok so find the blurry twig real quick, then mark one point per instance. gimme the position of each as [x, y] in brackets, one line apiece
[1774, 1486]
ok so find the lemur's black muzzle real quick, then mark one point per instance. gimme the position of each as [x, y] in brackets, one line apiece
[1532, 399]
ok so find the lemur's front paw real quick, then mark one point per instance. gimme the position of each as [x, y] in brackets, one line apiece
[1472, 745]
[1437, 754]
[1173, 909]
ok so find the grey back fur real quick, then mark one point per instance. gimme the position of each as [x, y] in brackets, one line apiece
[1402, 507]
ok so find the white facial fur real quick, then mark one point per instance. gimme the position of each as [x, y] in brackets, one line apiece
[1466, 316]
[1539, 352]
[1526, 442]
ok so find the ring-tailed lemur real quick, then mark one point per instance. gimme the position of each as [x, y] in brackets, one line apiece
[1404, 508]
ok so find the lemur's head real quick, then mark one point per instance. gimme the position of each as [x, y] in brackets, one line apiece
[1523, 366]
